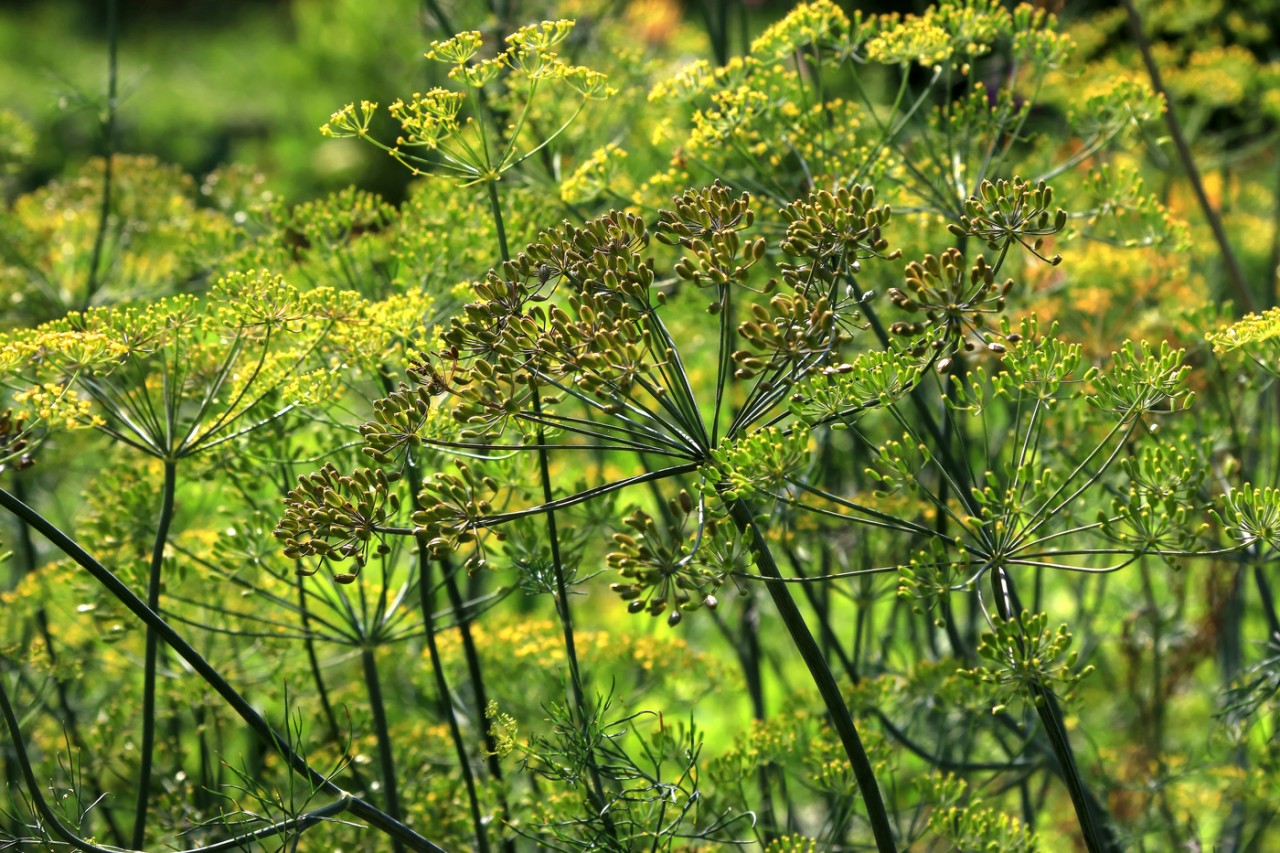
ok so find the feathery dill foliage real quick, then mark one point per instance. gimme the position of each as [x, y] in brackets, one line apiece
[829, 443]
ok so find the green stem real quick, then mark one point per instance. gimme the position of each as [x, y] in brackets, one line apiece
[495, 209]
[472, 656]
[361, 809]
[1235, 275]
[1097, 835]
[596, 788]
[463, 619]
[442, 682]
[151, 657]
[322, 689]
[108, 156]
[54, 827]
[823, 679]
[746, 647]
[25, 556]
[386, 757]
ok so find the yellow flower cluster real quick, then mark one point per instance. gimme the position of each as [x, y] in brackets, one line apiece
[820, 22]
[63, 349]
[427, 118]
[58, 405]
[792, 844]
[458, 50]
[1218, 76]
[596, 174]
[429, 121]
[973, 26]
[1253, 329]
[690, 81]
[539, 643]
[913, 40]
[731, 111]
[349, 121]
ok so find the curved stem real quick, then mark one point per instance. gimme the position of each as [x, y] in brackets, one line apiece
[52, 822]
[463, 620]
[322, 689]
[445, 699]
[595, 790]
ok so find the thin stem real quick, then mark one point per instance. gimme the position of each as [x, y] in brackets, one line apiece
[823, 679]
[1097, 835]
[442, 684]
[322, 690]
[495, 209]
[386, 757]
[1235, 275]
[361, 809]
[596, 789]
[571, 500]
[151, 655]
[108, 157]
[471, 654]
[444, 697]
[51, 821]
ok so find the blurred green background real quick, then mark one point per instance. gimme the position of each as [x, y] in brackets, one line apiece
[203, 83]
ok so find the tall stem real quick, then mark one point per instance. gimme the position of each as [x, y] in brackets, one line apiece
[476, 674]
[495, 210]
[1093, 825]
[1235, 275]
[386, 757]
[25, 556]
[442, 682]
[361, 809]
[317, 677]
[822, 677]
[151, 656]
[595, 790]
[108, 155]
[446, 702]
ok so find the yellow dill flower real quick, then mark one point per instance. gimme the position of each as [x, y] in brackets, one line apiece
[589, 83]
[457, 50]
[427, 119]
[540, 36]
[1251, 330]
[478, 74]
[597, 172]
[58, 405]
[732, 111]
[821, 21]
[350, 121]
[690, 81]
[913, 40]
[974, 26]
[1216, 76]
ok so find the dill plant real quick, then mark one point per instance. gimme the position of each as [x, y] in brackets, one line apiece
[782, 378]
